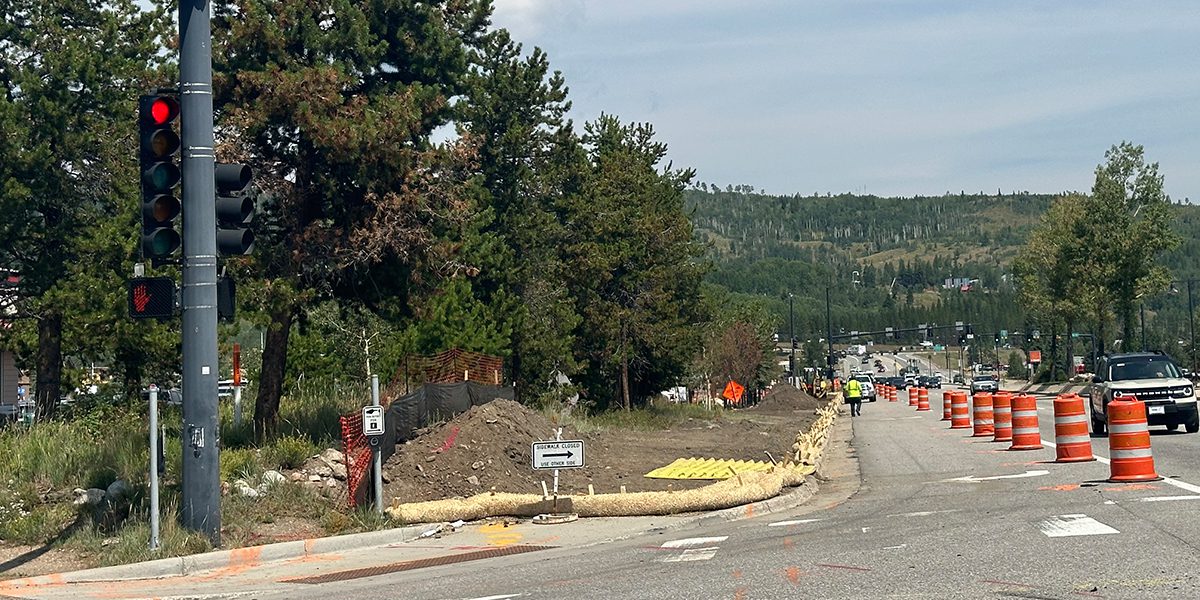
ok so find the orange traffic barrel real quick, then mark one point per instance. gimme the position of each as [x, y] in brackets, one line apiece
[1129, 441]
[947, 405]
[922, 399]
[981, 410]
[1025, 432]
[960, 412]
[912, 396]
[1002, 412]
[1073, 443]
[893, 394]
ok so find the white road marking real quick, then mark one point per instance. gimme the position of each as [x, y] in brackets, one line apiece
[498, 597]
[866, 529]
[693, 554]
[895, 547]
[1169, 498]
[1183, 485]
[924, 513]
[795, 522]
[1073, 525]
[974, 479]
[696, 541]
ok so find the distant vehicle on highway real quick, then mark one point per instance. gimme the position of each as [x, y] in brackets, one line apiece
[897, 382]
[984, 382]
[929, 381]
[1154, 379]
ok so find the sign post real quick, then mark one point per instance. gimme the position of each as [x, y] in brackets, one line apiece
[559, 454]
[372, 422]
[153, 467]
[237, 385]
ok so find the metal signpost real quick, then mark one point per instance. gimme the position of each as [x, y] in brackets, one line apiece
[558, 454]
[153, 467]
[372, 423]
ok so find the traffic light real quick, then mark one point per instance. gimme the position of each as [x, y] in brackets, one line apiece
[159, 141]
[235, 210]
[151, 298]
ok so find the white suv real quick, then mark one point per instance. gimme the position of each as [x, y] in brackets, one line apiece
[868, 386]
[1152, 378]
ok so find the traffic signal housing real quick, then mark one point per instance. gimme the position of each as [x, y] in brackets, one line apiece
[235, 210]
[159, 141]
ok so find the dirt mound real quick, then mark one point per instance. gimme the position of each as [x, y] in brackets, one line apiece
[487, 446]
[784, 396]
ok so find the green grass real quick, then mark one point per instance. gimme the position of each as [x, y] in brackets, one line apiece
[92, 447]
[656, 417]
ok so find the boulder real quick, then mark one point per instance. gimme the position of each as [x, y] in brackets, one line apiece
[338, 471]
[117, 491]
[88, 497]
[273, 478]
[331, 456]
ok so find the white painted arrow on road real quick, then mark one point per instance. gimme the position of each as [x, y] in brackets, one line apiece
[974, 479]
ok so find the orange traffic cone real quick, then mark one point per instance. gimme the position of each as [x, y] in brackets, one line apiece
[960, 411]
[1025, 432]
[947, 405]
[1073, 443]
[981, 409]
[1129, 442]
[922, 400]
[1002, 411]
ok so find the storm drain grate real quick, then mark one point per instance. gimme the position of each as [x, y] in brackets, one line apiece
[410, 565]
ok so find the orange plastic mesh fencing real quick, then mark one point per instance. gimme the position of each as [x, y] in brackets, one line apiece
[445, 367]
[358, 457]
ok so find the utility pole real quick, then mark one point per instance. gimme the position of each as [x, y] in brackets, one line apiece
[1143, 325]
[829, 334]
[1192, 326]
[201, 510]
[792, 334]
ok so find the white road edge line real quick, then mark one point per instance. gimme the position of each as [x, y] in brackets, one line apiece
[498, 597]
[795, 522]
[1169, 498]
[1183, 485]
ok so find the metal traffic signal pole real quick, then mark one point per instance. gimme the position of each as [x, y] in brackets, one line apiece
[201, 475]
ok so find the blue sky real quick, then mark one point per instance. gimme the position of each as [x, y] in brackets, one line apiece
[887, 97]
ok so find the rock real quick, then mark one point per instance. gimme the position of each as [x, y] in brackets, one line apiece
[477, 464]
[339, 471]
[331, 456]
[473, 480]
[430, 458]
[88, 497]
[387, 477]
[298, 476]
[314, 478]
[324, 471]
[272, 477]
[242, 488]
[117, 491]
[331, 483]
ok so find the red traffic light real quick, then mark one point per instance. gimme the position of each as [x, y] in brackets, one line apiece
[163, 110]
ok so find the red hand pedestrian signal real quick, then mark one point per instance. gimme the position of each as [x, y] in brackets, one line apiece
[151, 298]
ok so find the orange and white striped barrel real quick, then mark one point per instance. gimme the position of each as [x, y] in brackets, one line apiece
[960, 411]
[1129, 442]
[1072, 441]
[892, 395]
[1025, 432]
[1002, 413]
[912, 396]
[922, 400]
[981, 411]
[947, 405]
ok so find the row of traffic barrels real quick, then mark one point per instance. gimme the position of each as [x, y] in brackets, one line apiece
[1013, 418]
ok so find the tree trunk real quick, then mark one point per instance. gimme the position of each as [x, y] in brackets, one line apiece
[1054, 352]
[49, 364]
[625, 383]
[274, 365]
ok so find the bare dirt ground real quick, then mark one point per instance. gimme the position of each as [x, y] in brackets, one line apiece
[488, 448]
[491, 443]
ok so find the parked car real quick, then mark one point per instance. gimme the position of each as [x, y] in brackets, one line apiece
[1153, 378]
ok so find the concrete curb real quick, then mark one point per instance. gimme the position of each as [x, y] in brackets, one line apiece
[226, 559]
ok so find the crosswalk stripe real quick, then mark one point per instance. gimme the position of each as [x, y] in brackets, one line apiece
[1073, 525]
[794, 522]
[696, 541]
[692, 554]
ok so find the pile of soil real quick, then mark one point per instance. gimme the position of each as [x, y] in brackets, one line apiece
[489, 446]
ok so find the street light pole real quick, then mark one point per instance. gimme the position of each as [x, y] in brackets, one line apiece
[1192, 325]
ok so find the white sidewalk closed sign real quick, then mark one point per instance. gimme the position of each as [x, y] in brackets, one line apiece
[565, 454]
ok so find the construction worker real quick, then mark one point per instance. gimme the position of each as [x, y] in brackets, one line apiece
[854, 396]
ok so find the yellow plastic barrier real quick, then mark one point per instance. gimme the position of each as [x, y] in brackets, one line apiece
[707, 468]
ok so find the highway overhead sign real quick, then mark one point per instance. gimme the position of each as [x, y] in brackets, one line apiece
[565, 454]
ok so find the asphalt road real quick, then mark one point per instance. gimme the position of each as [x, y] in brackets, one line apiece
[938, 514]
